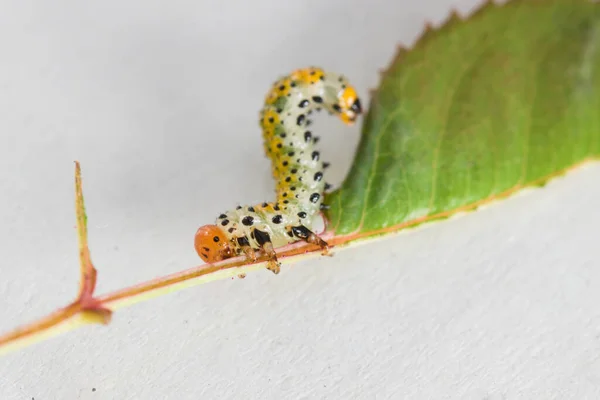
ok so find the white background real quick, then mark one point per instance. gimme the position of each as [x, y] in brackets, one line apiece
[159, 101]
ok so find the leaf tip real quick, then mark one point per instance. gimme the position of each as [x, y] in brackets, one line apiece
[428, 30]
[453, 17]
[485, 5]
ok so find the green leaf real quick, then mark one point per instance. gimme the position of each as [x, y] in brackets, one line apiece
[479, 108]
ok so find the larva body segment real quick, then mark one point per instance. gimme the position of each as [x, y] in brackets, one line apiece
[296, 166]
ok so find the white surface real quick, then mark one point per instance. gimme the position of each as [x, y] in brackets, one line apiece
[159, 102]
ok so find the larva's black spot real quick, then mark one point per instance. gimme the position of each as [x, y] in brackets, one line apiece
[341, 79]
[285, 201]
[302, 214]
[303, 103]
[293, 188]
[206, 249]
[291, 154]
[285, 163]
[277, 219]
[300, 119]
[271, 119]
[276, 208]
[216, 239]
[264, 204]
[315, 156]
[328, 186]
[288, 179]
[243, 241]
[356, 107]
[314, 197]
[293, 84]
[251, 209]
[316, 139]
[225, 222]
[284, 194]
[261, 237]
[318, 176]
[282, 88]
[307, 136]
[290, 233]
[337, 108]
[301, 232]
[312, 72]
[317, 99]
[293, 170]
[222, 216]
[326, 164]
[322, 77]
[247, 220]
[279, 110]
[279, 145]
[238, 208]
[283, 135]
[324, 206]
[230, 230]
[343, 86]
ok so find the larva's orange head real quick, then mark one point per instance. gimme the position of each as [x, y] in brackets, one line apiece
[211, 244]
[349, 104]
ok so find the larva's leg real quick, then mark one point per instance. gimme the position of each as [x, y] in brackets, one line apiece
[246, 248]
[273, 264]
[264, 241]
[303, 233]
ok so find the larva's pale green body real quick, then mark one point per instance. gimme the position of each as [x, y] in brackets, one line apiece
[296, 166]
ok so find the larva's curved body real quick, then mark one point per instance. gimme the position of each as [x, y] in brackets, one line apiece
[296, 166]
